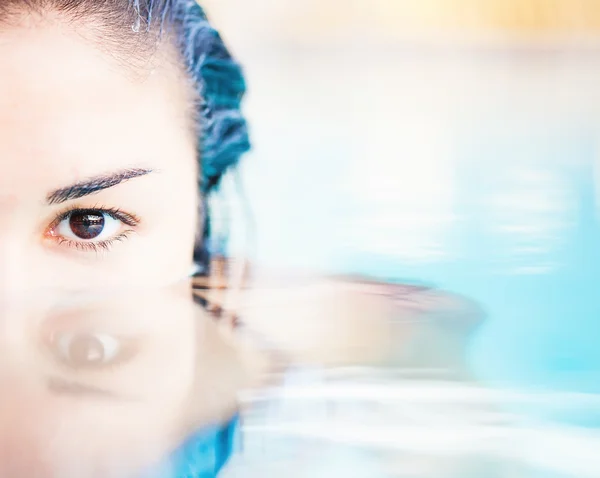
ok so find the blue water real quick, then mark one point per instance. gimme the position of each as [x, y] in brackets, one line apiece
[539, 288]
[473, 174]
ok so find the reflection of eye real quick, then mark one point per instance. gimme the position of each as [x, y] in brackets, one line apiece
[87, 350]
[91, 229]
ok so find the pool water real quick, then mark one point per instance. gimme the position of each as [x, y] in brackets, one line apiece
[471, 171]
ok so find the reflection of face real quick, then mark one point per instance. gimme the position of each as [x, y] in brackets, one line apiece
[99, 378]
[97, 192]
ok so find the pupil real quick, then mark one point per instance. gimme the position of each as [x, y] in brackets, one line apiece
[86, 349]
[86, 225]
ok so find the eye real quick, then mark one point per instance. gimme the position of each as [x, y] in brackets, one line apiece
[91, 229]
[87, 350]
[88, 225]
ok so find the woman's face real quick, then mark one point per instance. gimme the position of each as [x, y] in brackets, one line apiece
[80, 133]
[98, 215]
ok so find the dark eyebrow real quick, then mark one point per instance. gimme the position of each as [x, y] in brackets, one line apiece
[93, 185]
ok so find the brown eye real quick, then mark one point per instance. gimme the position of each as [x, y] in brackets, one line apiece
[87, 225]
[88, 350]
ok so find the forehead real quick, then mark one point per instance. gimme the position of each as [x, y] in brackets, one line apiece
[68, 110]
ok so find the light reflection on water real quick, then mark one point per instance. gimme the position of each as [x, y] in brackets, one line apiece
[366, 424]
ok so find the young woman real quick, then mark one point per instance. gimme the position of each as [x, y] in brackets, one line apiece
[117, 119]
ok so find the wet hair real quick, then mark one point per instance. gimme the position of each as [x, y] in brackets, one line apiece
[132, 30]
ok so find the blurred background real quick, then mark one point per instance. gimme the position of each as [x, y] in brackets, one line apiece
[446, 143]
[362, 110]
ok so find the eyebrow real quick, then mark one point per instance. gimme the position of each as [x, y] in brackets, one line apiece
[94, 185]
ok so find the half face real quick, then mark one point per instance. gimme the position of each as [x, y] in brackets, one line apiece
[98, 216]
[98, 184]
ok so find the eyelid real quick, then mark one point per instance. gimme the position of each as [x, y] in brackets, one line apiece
[115, 213]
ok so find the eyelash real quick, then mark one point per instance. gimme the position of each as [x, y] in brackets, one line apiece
[93, 246]
[105, 245]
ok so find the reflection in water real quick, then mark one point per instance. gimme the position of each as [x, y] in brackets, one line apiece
[371, 380]
[369, 424]
[109, 383]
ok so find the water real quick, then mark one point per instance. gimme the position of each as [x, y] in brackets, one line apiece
[471, 171]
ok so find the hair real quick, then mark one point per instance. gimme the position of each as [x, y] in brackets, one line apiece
[132, 30]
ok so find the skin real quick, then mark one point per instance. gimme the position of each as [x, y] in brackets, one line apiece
[69, 114]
